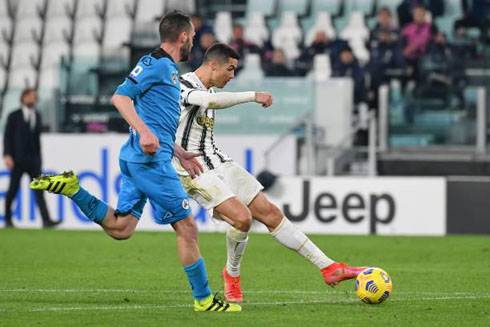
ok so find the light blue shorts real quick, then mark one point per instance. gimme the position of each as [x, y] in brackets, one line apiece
[156, 181]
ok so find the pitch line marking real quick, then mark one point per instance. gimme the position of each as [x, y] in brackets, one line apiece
[331, 301]
[326, 292]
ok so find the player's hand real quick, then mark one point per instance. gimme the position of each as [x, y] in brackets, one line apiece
[190, 164]
[263, 98]
[149, 143]
[9, 162]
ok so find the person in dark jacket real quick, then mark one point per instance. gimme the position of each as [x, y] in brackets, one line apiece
[442, 75]
[385, 50]
[476, 14]
[348, 66]
[406, 7]
[199, 49]
[22, 152]
[322, 44]
[278, 66]
[201, 28]
[242, 46]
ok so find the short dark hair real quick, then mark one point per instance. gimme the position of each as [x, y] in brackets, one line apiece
[384, 10]
[220, 52]
[172, 24]
[25, 92]
[347, 48]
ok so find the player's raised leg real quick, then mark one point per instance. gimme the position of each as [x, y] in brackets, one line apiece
[288, 235]
[118, 226]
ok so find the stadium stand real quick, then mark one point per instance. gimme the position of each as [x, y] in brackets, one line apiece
[288, 35]
[256, 29]
[323, 22]
[223, 26]
[266, 7]
[117, 34]
[57, 30]
[148, 10]
[322, 68]
[121, 8]
[60, 8]
[79, 47]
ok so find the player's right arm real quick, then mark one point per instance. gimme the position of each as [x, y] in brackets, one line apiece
[223, 100]
[141, 78]
[148, 141]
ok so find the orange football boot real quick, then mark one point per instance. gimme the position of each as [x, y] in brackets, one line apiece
[233, 289]
[337, 272]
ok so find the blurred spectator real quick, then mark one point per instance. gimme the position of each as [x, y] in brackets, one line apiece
[386, 57]
[348, 66]
[436, 7]
[321, 45]
[267, 51]
[442, 75]
[416, 36]
[476, 14]
[242, 46]
[406, 7]
[278, 66]
[22, 152]
[463, 46]
[385, 30]
[198, 50]
[201, 28]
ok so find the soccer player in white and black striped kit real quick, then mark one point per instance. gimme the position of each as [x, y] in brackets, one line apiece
[224, 187]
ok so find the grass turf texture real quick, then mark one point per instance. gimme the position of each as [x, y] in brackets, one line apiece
[61, 278]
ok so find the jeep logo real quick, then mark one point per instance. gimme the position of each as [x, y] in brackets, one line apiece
[205, 121]
[326, 206]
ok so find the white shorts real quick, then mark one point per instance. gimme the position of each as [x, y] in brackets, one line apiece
[218, 185]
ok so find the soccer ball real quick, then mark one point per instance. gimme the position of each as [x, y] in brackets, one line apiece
[373, 285]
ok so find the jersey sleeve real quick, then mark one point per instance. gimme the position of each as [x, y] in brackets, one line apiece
[146, 74]
[186, 88]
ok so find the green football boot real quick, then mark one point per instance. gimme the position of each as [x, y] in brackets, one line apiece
[66, 183]
[213, 303]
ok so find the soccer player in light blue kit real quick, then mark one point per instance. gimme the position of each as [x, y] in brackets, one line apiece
[149, 100]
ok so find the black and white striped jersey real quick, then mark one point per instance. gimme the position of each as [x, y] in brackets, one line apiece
[195, 131]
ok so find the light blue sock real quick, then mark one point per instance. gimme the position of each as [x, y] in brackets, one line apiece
[196, 273]
[94, 208]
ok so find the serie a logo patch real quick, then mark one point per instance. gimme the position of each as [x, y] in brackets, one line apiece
[136, 71]
[174, 77]
[185, 204]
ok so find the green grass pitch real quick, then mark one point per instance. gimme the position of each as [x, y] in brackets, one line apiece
[66, 278]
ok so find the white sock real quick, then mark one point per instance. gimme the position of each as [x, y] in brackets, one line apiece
[288, 235]
[236, 242]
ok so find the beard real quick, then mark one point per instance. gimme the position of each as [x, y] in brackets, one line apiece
[185, 52]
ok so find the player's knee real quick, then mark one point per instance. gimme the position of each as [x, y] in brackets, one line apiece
[121, 235]
[187, 229]
[269, 214]
[275, 213]
[243, 220]
[276, 216]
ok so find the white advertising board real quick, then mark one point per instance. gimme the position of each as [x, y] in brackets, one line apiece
[353, 205]
[95, 159]
[383, 205]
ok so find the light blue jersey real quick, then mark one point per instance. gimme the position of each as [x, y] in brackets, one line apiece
[154, 87]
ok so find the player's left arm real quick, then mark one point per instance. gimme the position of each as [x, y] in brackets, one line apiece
[223, 100]
[188, 160]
